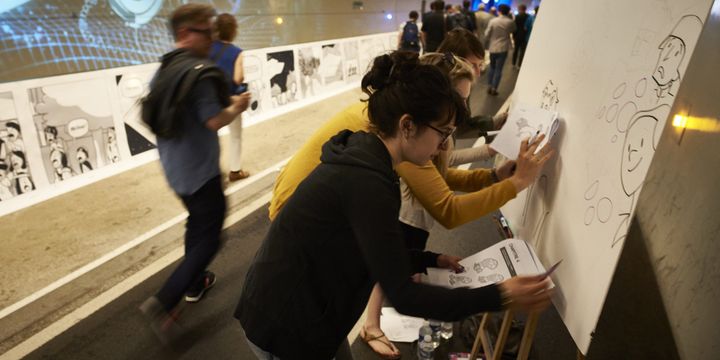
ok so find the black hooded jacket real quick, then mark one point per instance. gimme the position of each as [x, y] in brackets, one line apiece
[337, 235]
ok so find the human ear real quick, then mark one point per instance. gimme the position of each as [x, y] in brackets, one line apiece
[406, 126]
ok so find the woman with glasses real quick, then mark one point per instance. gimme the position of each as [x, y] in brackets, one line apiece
[338, 234]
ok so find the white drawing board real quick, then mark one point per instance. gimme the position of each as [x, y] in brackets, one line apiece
[612, 77]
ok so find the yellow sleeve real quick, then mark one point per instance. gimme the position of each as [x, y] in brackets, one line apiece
[468, 180]
[449, 209]
[307, 158]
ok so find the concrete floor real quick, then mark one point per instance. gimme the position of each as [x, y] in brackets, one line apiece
[79, 227]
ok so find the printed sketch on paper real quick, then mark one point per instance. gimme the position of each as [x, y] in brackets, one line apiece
[132, 87]
[352, 61]
[281, 77]
[309, 64]
[332, 64]
[75, 128]
[252, 72]
[15, 176]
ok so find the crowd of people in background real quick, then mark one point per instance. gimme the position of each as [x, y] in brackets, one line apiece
[496, 27]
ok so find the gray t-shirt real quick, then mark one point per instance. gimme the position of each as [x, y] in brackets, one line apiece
[192, 159]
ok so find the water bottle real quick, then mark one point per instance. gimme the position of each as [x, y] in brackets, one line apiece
[425, 330]
[435, 327]
[446, 330]
[425, 348]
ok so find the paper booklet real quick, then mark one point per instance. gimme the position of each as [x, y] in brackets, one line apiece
[499, 262]
[525, 122]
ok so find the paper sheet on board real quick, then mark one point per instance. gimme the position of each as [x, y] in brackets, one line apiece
[525, 122]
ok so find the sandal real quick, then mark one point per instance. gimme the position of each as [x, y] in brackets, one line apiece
[238, 175]
[367, 338]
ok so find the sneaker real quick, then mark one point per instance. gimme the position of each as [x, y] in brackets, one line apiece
[194, 295]
[163, 324]
[238, 175]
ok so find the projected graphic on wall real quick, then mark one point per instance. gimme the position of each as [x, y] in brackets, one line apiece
[43, 38]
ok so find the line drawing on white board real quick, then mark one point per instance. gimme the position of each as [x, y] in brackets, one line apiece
[638, 123]
[488, 263]
[309, 64]
[75, 127]
[281, 75]
[15, 176]
[549, 99]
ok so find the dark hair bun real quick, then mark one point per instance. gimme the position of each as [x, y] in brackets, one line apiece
[389, 68]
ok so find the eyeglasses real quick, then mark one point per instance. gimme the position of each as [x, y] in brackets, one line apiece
[445, 135]
[207, 32]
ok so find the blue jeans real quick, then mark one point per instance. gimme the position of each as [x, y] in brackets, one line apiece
[497, 61]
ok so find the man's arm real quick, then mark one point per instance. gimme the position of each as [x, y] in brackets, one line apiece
[238, 104]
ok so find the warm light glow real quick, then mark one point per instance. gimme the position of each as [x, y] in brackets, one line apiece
[279, 20]
[679, 121]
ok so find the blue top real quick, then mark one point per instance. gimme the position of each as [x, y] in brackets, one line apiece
[226, 61]
[192, 159]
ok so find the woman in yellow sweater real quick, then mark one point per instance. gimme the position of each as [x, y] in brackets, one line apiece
[427, 191]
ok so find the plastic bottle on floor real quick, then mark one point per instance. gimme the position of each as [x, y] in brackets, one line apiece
[435, 327]
[446, 330]
[425, 348]
[425, 330]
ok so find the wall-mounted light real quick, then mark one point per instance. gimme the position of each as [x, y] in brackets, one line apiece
[388, 16]
[279, 20]
[680, 121]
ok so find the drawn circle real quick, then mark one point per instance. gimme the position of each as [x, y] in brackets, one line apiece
[613, 139]
[601, 112]
[619, 91]
[592, 190]
[641, 87]
[625, 115]
[589, 215]
[611, 113]
[604, 209]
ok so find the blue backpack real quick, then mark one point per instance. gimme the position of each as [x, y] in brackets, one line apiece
[410, 35]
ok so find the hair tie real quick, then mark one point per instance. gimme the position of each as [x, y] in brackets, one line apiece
[392, 69]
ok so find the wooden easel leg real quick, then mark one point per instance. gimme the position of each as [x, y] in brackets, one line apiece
[502, 336]
[479, 337]
[528, 335]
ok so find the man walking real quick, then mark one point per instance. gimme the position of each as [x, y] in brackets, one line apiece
[520, 35]
[498, 37]
[188, 103]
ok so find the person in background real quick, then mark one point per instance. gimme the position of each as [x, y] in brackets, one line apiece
[520, 35]
[464, 44]
[470, 15]
[189, 152]
[410, 37]
[493, 11]
[497, 36]
[339, 232]
[230, 59]
[529, 24]
[482, 18]
[433, 27]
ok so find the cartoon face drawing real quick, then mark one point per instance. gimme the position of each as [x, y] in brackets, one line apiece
[667, 69]
[550, 98]
[17, 161]
[81, 155]
[638, 151]
[111, 135]
[13, 131]
[57, 159]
